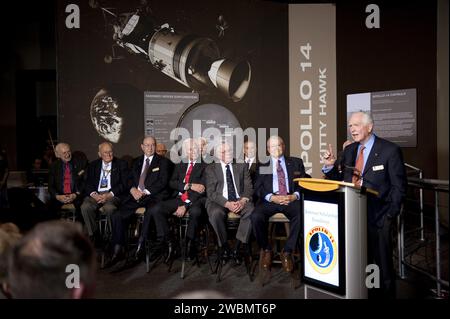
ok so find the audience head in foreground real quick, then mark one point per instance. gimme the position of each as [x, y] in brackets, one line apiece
[54, 260]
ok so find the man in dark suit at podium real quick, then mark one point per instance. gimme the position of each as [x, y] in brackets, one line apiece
[278, 192]
[106, 182]
[375, 163]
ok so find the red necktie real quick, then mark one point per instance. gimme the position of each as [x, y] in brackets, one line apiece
[67, 179]
[186, 181]
[357, 173]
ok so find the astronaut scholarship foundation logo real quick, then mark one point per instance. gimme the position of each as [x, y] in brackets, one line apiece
[321, 249]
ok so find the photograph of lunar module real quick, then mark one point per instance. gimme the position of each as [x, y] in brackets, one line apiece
[196, 62]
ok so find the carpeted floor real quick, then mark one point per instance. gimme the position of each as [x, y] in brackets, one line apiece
[135, 283]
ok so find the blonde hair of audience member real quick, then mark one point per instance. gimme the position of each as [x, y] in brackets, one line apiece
[48, 250]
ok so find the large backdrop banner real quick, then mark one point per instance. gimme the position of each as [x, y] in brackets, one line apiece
[312, 82]
[127, 69]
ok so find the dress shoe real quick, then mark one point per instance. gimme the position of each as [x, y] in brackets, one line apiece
[266, 259]
[224, 254]
[168, 251]
[237, 257]
[140, 252]
[118, 255]
[286, 261]
[155, 252]
[191, 251]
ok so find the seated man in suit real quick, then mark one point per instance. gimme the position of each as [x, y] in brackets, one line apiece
[278, 193]
[204, 150]
[374, 163]
[188, 180]
[252, 163]
[65, 180]
[147, 185]
[161, 150]
[106, 182]
[229, 189]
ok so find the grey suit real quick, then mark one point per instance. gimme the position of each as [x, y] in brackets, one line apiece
[215, 202]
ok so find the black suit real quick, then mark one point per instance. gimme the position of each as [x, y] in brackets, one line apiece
[56, 182]
[252, 169]
[118, 177]
[265, 209]
[384, 172]
[155, 182]
[162, 210]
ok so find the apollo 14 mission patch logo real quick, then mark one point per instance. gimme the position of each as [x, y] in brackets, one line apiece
[321, 249]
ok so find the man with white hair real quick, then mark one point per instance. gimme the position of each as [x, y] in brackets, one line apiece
[106, 182]
[205, 154]
[375, 163]
[278, 192]
[66, 179]
[229, 189]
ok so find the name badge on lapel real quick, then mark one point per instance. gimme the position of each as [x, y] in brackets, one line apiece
[155, 169]
[378, 168]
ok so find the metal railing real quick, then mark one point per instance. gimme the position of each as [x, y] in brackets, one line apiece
[437, 186]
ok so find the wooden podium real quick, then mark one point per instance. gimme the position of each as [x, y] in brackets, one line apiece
[334, 223]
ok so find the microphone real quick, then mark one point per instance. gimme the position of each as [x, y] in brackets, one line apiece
[355, 172]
